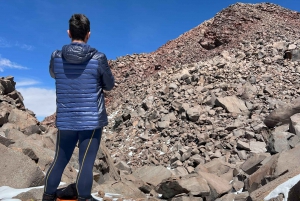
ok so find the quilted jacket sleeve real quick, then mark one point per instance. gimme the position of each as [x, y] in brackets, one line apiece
[51, 65]
[107, 77]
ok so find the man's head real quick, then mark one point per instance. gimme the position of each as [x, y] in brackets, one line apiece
[79, 28]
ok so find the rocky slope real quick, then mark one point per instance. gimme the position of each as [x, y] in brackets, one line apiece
[230, 27]
[204, 99]
[211, 115]
[27, 147]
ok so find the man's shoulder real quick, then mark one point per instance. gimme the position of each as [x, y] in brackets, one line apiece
[99, 56]
[56, 54]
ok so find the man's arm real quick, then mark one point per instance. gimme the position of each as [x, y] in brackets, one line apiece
[51, 65]
[107, 77]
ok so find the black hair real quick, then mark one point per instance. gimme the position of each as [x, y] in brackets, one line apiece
[79, 26]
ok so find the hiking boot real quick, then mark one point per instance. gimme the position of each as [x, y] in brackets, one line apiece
[48, 197]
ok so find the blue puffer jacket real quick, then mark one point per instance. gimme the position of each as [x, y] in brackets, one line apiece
[81, 74]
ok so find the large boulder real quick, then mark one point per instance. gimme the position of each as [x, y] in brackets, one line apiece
[18, 170]
[8, 84]
[14, 134]
[5, 109]
[126, 189]
[278, 142]
[218, 186]
[193, 184]
[282, 114]
[33, 194]
[295, 124]
[277, 187]
[152, 175]
[288, 161]
[5, 141]
[42, 156]
[105, 165]
[232, 104]
[22, 119]
[274, 167]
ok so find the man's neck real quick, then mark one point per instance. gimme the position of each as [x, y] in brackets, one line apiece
[77, 41]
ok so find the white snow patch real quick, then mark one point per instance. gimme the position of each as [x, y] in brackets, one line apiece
[110, 195]
[130, 153]
[113, 114]
[7, 193]
[283, 188]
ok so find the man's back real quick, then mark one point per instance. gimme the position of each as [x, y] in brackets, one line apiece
[81, 74]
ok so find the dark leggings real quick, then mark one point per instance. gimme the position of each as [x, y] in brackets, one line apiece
[89, 142]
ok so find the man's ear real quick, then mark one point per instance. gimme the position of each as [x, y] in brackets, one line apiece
[87, 37]
[69, 34]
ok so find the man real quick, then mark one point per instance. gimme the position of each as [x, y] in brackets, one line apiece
[81, 74]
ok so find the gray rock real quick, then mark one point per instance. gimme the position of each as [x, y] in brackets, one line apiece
[4, 112]
[218, 185]
[243, 145]
[14, 134]
[258, 147]
[33, 194]
[163, 124]
[21, 119]
[124, 188]
[179, 172]
[5, 141]
[232, 104]
[126, 115]
[287, 157]
[186, 198]
[169, 117]
[193, 114]
[121, 165]
[282, 114]
[218, 166]
[293, 141]
[278, 142]
[2, 89]
[152, 174]
[253, 163]
[173, 86]
[196, 186]
[8, 84]
[35, 150]
[281, 45]
[21, 172]
[32, 129]
[295, 124]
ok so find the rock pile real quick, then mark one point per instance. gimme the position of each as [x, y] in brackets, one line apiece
[221, 111]
[207, 118]
[27, 147]
[225, 31]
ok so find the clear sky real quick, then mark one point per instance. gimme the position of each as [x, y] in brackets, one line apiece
[32, 29]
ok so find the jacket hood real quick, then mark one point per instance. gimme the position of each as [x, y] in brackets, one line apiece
[77, 53]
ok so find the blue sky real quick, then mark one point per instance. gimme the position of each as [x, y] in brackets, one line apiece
[32, 29]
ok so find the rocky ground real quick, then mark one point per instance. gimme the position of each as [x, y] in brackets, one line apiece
[211, 115]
